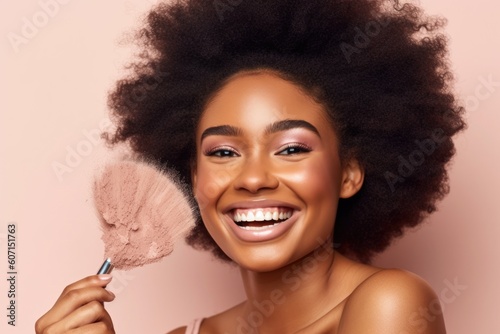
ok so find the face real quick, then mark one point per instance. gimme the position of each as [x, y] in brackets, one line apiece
[268, 175]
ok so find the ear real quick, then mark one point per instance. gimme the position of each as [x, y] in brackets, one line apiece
[352, 178]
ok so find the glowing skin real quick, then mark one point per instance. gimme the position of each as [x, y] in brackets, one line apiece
[268, 179]
[264, 146]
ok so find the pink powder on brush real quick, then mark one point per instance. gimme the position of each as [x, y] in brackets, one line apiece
[142, 211]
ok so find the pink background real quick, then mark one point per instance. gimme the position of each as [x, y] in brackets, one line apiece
[53, 99]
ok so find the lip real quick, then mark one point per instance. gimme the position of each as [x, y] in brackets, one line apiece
[266, 233]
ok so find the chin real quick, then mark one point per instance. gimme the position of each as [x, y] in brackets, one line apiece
[262, 264]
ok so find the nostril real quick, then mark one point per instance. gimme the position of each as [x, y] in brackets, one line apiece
[256, 177]
[256, 184]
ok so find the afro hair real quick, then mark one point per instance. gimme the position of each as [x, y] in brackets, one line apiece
[379, 67]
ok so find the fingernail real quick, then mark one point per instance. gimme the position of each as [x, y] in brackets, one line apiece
[105, 277]
[112, 294]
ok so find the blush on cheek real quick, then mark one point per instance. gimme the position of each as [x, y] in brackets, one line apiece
[316, 182]
[209, 185]
[205, 192]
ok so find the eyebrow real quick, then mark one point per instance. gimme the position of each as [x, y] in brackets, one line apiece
[221, 130]
[287, 124]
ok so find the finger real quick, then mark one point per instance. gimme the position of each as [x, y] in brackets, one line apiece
[94, 280]
[95, 328]
[71, 300]
[79, 297]
[90, 313]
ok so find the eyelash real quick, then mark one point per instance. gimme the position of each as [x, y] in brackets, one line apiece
[217, 150]
[300, 147]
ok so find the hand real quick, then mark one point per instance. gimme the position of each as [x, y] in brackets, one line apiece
[80, 309]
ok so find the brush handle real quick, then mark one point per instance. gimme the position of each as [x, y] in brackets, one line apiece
[106, 267]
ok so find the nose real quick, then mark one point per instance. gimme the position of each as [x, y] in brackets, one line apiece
[255, 175]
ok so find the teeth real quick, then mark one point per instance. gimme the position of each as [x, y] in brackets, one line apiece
[261, 215]
[250, 217]
[255, 228]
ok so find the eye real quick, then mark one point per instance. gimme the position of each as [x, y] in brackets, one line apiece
[222, 152]
[294, 149]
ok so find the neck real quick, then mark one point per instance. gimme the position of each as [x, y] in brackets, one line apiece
[291, 296]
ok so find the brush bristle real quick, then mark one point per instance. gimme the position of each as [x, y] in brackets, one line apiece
[142, 211]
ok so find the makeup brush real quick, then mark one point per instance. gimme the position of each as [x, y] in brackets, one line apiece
[142, 210]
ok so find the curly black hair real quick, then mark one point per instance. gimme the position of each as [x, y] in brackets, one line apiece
[379, 67]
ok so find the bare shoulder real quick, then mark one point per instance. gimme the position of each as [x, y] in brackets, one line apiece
[180, 330]
[392, 301]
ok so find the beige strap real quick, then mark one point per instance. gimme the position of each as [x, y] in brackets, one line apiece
[194, 327]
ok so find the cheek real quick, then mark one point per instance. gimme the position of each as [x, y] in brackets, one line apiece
[315, 181]
[318, 186]
[326, 183]
[210, 183]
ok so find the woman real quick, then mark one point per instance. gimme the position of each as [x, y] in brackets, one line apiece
[312, 134]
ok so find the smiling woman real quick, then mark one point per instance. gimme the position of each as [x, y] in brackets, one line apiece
[286, 144]
[276, 139]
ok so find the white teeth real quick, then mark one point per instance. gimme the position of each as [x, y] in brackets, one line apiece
[255, 228]
[268, 216]
[250, 217]
[259, 215]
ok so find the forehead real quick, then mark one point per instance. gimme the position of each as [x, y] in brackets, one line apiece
[254, 100]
